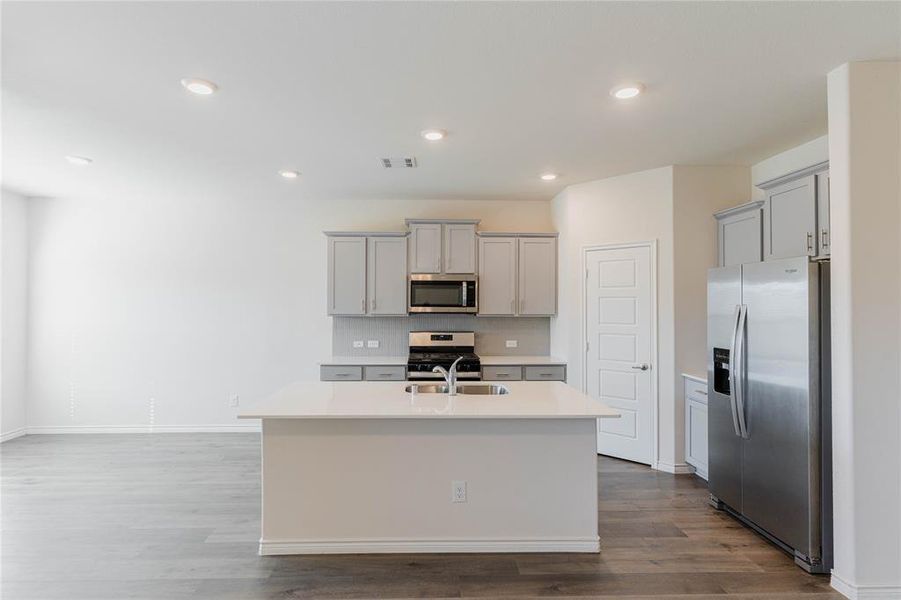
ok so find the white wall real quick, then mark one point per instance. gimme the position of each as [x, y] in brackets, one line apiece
[154, 311]
[865, 172]
[807, 154]
[13, 313]
[629, 208]
[673, 205]
[698, 192]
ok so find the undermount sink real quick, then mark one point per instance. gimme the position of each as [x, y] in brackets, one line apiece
[481, 389]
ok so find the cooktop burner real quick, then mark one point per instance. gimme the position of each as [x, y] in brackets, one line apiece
[429, 349]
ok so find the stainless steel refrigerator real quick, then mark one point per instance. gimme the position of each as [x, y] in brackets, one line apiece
[769, 409]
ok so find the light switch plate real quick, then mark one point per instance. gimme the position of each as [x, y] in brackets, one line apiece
[358, 343]
[372, 344]
[512, 343]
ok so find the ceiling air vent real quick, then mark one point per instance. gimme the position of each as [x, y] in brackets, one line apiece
[402, 162]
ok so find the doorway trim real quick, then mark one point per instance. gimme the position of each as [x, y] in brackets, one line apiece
[583, 318]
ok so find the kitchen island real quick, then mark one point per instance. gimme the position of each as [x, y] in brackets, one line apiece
[363, 467]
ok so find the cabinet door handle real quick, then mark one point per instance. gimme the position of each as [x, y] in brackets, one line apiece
[809, 242]
[825, 237]
[363, 304]
[512, 306]
[522, 306]
[373, 304]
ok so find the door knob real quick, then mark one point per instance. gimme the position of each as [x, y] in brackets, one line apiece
[641, 367]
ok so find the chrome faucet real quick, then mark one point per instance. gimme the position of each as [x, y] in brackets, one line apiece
[450, 376]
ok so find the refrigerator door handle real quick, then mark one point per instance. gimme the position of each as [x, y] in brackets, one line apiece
[739, 359]
[733, 376]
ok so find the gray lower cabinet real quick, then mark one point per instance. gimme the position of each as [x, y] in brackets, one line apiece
[545, 373]
[505, 373]
[385, 373]
[740, 234]
[340, 373]
[367, 274]
[695, 394]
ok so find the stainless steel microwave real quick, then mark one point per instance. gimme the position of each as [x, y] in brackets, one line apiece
[444, 293]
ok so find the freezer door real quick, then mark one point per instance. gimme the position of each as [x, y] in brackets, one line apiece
[780, 457]
[724, 445]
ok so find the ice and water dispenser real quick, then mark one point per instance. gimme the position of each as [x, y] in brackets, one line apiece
[721, 371]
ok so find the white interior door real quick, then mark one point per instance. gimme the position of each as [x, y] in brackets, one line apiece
[619, 371]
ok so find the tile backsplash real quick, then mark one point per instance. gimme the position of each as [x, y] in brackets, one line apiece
[532, 334]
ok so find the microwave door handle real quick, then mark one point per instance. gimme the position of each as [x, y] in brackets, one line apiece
[733, 380]
[464, 294]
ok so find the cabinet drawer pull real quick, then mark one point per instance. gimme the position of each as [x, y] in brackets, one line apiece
[502, 374]
[545, 374]
[342, 374]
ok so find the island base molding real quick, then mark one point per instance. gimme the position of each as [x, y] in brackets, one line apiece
[358, 485]
[392, 546]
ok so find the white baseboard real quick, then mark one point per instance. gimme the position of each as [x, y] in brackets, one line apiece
[676, 469]
[249, 427]
[865, 592]
[401, 546]
[11, 435]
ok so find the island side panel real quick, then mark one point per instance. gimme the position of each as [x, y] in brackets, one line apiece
[385, 485]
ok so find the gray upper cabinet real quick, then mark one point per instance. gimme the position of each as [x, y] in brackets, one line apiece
[346, 275]
[537, 276]
[387, 275]
[442, 245]
[740, 234]
[425, 247]
[367, 274]
[497, 275]
[790, 215]
[796, 214]
[459, 248]
[824, 238]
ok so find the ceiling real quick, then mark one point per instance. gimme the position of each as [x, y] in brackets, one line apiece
[329, 88]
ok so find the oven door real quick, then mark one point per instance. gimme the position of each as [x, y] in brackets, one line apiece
[443, 294]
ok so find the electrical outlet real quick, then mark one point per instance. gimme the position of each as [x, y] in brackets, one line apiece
[372, 344]
[458, 491]
[235, 400]
[512, 344]
[358, 343]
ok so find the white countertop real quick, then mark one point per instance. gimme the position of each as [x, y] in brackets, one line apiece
[498, 361]
[695, 378]
[388, 400]
[491, 361]
[365, 360]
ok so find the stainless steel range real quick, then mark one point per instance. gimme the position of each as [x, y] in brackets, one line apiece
[430, 349]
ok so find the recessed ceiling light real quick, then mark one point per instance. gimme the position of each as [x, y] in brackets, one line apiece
[624, 92]
[434, 135]
[81, 161]
[200, 87]
[289, 174]
[549, 176]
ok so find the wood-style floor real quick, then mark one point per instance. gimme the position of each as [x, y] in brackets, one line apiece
[171, 516]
